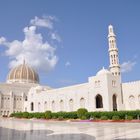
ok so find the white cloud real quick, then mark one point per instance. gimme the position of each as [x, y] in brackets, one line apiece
[43, 22]
[36, 52]
[2, 40]
[67, 64]
[56, 37]
[127, 66]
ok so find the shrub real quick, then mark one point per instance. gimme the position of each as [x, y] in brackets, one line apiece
[60, 118]
[115, 118]
[48, 114]
[81, 112]
[104, 118]
[129, 118]
[83, 118]
[25, 114]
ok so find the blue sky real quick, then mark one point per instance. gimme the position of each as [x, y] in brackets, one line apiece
[82, 26]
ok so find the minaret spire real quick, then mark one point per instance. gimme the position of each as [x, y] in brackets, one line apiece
[113, 52]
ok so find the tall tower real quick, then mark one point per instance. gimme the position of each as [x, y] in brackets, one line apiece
[113, 52]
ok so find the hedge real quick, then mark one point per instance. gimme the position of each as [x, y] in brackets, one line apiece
[81, 113]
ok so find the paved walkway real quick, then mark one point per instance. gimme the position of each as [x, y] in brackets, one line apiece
[16, 129]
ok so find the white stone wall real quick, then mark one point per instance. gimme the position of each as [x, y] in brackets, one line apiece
[77, 96]
[131, 95]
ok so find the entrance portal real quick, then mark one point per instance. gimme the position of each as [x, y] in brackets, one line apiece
[114, 98]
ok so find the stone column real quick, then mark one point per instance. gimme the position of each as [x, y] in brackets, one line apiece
[11, 102]
[0, 103]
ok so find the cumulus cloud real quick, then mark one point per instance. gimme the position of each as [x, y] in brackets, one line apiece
[2, 40]
[56, 37]
[127, 66]
[33, 49]
[43, 22]
[67, 64]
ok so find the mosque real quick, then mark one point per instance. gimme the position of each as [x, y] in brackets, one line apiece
[103, 92]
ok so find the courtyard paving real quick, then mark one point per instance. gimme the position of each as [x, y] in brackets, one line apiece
[21, 129]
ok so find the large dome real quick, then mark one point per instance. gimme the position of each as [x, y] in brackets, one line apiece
[23, 74]
[103, 71]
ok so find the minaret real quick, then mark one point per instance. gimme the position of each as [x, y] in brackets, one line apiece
[113, 52]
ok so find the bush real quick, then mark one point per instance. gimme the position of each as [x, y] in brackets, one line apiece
[60, 118]
[83, 118]
[25, 114]
[48, 114]
[81, 112]
[129, 118]
[115, 118]
[104, 118]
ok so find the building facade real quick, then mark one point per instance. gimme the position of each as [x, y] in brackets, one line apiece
[102, 92]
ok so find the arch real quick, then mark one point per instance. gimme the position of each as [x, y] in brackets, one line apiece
[7, 113]
[39, 107]
[99, 101]
[82, 103]
[139, 98]
[114, 101]
[53, 106]
[45, 105]
[26, 98]
[71, 104]
[32, 106]
[61, 105]
[132, 102]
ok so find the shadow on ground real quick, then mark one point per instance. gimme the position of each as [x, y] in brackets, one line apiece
[12, 134]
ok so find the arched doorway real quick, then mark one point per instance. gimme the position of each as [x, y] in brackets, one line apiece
[61, 105]
[71, 105]
[132, 102]
[114, 99]
[99, 101]
[39, 107]
[139, 99]
[32, 106]
[45, 106]
[82, 103]
[53, 106]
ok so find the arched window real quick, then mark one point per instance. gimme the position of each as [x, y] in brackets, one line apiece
[45, 106]
[53, 105]
[26, 98]
[39, 107]
[139, 99]
[61, 105]
[99, 101]
[82, 103]
[32, 106]
[132, 102]
[114, 100]
[71, 104]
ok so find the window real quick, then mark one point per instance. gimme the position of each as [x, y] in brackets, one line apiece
[39, 107]
[113, 83]
[114, 100]
[45, 105]
[53, 105]
[71, 104]
[82, 103]
[61, 105]
[99, 102]
[26, 98]
[139, 99]
[32, 106]
[132, 102]
[97, 83]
